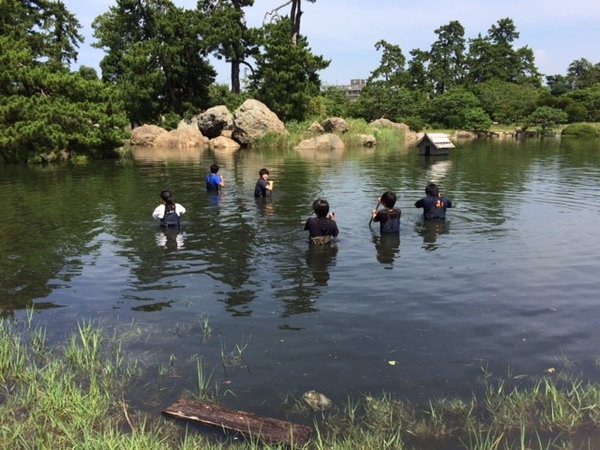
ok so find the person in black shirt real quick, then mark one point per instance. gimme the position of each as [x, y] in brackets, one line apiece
[434, 205]
[322, 228]
[388, 217]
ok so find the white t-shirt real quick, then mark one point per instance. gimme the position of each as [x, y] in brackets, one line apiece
[159, 211]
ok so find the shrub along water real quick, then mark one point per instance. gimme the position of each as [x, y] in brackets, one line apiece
[73, 397]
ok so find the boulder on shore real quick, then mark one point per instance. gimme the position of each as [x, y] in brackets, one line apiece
[335, 125]
[222, 143]
[145, 135]
[214, 120]
[326, 142]
[253, 120]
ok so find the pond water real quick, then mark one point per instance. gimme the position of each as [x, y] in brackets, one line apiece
[507, 287]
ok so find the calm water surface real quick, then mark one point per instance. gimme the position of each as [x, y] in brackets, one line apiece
[509, 286]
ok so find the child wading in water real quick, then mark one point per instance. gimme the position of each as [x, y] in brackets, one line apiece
[214, 182]
[321, 229]
[434, 205]
[389, 217]
[168, 213]
[263, 185]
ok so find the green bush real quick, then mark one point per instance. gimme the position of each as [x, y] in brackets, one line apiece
[581, 130]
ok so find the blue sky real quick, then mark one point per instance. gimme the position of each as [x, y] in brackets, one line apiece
[345, 31]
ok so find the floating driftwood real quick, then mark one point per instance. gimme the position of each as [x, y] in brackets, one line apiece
[267, 429]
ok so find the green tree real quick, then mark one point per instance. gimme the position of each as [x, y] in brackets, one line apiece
[286, 75]
[46, 27]
[447, 57]
[44, 111]
[386, 93]
[476, 120]
[44, 108]
[506, 102]
[450, 109]
[418, 78]
[545, 118]
[391, 68]
[494, 57]
[588, 98]
[582, 74]
[228, 36]
[155, 58]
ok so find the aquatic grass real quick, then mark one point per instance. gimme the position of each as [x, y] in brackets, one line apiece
[72, 397]
[203, 381]
[206, 328]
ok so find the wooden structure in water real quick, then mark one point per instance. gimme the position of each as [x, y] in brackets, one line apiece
[434, 144]
[272, 431]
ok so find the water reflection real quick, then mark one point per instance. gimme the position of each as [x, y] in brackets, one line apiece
[430, 230]
[319, 258]
[387, 247]
[214, 198]
[170, 239]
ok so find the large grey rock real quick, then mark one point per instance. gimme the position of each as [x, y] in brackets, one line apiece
[214, 120]
[325, 142]
[335, 125]
[146, 135]
[253, 120]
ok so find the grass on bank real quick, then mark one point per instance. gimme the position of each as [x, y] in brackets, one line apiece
[73, 396]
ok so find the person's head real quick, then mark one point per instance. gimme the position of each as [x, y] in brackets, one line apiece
[432, 190]
[165, 195]
[321, 207]
[264, 174]
[388, 199]
[214, 168]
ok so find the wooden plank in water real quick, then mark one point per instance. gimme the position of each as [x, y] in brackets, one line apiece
[273, 431]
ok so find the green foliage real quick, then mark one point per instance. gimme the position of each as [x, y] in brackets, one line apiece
[449, 109]
[447, 58]
[493, 57]
[155, 58]
[506, 102]
[477, 120]
[581, 130]
[286, 75]
[45, 109]
[220, 94]
[333, 101]
[227, 36]
[545, 118]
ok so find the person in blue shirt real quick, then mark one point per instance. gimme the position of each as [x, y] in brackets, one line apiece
[434, 205]
[214, 182]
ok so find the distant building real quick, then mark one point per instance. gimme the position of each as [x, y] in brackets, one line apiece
[434, 144]
[356, 86]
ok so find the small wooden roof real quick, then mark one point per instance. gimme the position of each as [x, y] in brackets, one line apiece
[439, 140]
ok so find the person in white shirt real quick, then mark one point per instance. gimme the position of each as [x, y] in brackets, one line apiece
[168, 212]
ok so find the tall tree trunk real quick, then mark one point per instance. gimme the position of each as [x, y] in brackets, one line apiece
[295, 16]
[235, 77]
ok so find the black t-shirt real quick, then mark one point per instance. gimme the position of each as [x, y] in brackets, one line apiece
[434, 208]
[389, 220]
[321, 226]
